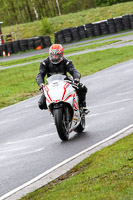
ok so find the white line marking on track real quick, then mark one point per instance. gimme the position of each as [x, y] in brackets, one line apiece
[2, 157]
[112, 111]
[64, 162]
[38, 137]
[113, 102]
[124, 93]
[13, 149]
[22, 154]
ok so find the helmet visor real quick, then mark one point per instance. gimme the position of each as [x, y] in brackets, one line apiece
[55, 58]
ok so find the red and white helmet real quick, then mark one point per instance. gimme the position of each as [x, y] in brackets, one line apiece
[56, 53]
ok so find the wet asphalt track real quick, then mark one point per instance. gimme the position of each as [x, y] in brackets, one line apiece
[29, 144]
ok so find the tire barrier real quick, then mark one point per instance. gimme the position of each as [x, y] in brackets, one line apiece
[75, 33]
[37, 43]
[15, 46]
[9, 48]
[24, 45]
[2, 49]
[59, 37]
[104, 27]
[67, 35]
[126, 22]
[131, 20]
[30, 43]
[111, 26]
[89, 30]
[81, 30]
[96, 29]
[119, 24]
[46, 41]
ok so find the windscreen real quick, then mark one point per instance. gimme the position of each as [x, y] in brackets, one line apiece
[55, 77]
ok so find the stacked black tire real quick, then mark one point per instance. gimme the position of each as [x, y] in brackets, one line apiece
[9, 48]
[67, 35]
[75, 34]
[63, 36]
[126, 22]
[81, 31]
[46, 41]
[38, 42]
[119, 24]
[15, 46]
[30, 43]
[59, 37]
[111, 26]
[96, 29]
[89, 30]
[105, 27]
[24, 45]
[2, 48]
[131, 20]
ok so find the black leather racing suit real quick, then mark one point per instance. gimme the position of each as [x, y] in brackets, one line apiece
[48, 68]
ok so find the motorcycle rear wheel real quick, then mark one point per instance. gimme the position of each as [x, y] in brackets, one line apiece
[61, 124]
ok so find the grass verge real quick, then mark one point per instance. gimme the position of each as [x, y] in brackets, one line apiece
[106, 174]
[19, 83]
[100, 38]
[37, 57]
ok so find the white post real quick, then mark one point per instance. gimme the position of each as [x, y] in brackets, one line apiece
[18, 33]
[58, 7]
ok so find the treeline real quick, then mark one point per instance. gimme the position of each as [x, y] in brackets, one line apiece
[22, 11]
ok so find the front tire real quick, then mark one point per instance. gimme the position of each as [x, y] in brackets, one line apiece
[61, 124]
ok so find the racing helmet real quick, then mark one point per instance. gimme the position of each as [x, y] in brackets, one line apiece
[56, 53]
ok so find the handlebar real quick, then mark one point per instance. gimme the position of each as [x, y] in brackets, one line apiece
[72, 83]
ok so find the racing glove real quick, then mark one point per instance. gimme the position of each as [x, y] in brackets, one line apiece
[41, 86]
[76, 80]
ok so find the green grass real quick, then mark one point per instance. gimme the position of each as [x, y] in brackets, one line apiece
[19, 83]
[90, 63]
[71, 20]
[92, 46]
[102, 39]
[37, 57]
[105, 175]
[23, 60]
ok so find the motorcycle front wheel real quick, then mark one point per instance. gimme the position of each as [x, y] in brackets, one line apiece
[61, 123]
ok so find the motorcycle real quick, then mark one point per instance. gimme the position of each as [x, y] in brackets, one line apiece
[63, 103]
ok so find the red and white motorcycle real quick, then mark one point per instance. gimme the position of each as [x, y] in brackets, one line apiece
[62, 101]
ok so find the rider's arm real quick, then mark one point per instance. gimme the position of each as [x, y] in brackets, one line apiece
[42, 72]
[71, 69]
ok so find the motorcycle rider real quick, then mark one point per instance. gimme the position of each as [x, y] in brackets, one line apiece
[56, 63]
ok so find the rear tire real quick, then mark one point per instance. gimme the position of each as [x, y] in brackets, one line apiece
[61, 124]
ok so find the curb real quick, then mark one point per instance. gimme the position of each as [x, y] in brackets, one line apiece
[64, 166]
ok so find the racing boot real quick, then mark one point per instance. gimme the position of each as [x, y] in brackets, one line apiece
[85, 108]
[42, 102]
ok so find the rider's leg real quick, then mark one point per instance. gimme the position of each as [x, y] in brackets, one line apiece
[42, 102]
[82, 102]
[82, 97]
